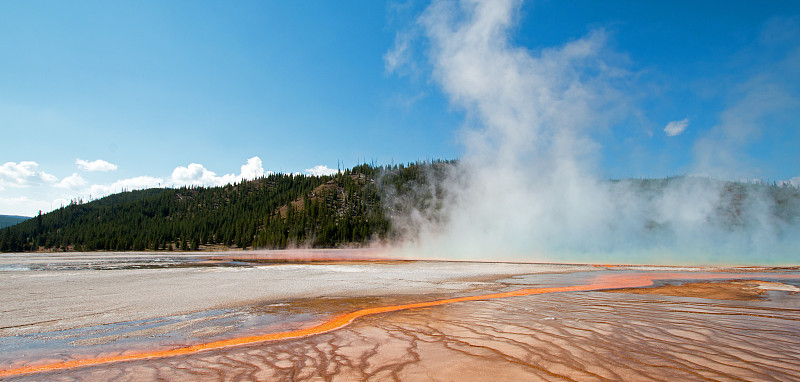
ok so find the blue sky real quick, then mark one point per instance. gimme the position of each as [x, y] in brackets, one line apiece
[170, 92]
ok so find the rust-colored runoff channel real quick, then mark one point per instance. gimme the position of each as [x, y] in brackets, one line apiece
[611, 281]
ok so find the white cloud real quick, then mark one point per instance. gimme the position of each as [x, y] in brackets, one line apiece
[73, 181]
[795, 181]
[45, 192]
[196, 174]
[676, 127]
[253, 169]
[23, 206]
[321, 170]
[23, 174]
[137, 183]
[98, 165]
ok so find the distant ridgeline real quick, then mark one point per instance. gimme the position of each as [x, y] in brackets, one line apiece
[354, 207]
[275, 211]
[9, 220]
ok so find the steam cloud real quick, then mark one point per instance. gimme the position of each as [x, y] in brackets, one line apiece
[526, 187]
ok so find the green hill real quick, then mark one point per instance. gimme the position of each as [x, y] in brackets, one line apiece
[9, 220]
[354, 207]
[270, 212]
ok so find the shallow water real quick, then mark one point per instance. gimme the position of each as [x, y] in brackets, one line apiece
[574, 336]
[568, 333]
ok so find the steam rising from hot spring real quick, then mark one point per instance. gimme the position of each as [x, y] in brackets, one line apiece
[526, 186]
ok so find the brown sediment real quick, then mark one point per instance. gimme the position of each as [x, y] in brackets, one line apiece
[329, 325]
[729, 290]
[587, 336]
[621, 280]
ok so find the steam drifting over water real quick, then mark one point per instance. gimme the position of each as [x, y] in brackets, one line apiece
[527, 188]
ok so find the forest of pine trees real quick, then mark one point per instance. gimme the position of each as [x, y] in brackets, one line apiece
[275, 211]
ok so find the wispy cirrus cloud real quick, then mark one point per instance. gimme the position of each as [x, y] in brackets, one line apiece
[398, 56]
[761, 103]
[768, 95]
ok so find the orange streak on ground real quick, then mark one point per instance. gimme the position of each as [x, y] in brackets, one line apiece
[612, 281]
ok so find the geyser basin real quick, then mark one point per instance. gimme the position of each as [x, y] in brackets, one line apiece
[321, 318]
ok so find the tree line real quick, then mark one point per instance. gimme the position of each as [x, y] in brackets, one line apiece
[275, 211]
[351, 208]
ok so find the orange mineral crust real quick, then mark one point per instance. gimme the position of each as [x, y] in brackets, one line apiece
[598, 282]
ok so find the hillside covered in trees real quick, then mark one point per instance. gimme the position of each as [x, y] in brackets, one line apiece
[275, 211]
[352, 208]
